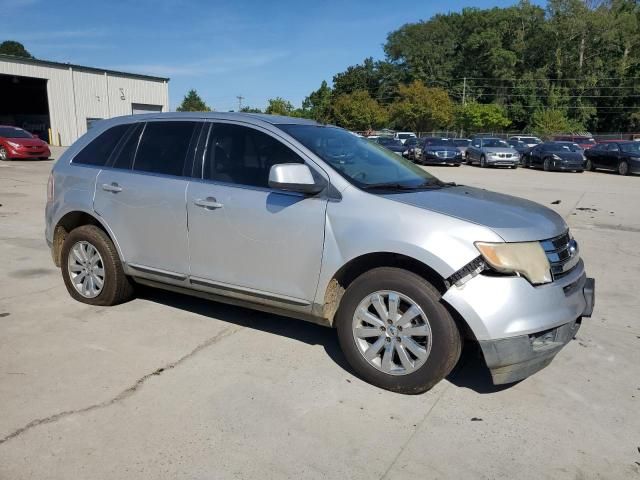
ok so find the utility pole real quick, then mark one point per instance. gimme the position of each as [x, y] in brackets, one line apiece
[240, 98]
[464, 91]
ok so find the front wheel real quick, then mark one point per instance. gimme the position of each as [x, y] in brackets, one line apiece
[395, 333]
[91, 268]
[546, 165]
[623, 168]
[589, 165]
[483, 162]
[4, 155]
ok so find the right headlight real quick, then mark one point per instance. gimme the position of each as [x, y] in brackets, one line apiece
[523, 258]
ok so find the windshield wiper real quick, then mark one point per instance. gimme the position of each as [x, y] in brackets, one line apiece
[400, 186]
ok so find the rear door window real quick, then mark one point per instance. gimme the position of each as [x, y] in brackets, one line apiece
[100, 149]
[164, 147]
[123, 158]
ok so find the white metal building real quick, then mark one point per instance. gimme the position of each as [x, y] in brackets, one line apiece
[58, 101]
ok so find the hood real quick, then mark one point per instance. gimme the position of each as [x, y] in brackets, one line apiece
[499, 150]
[27, 142]
[513, 218]
[569, 156]
[439, 148]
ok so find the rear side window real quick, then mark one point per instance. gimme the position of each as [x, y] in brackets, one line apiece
[127, 150]
[244, 156]
[99, 150]
[164, 146]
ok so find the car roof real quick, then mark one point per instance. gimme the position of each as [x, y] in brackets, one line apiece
[273, 119]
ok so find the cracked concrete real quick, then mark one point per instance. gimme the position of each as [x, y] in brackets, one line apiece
[257, 395]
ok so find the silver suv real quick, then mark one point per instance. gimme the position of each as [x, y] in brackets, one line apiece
[306, 220]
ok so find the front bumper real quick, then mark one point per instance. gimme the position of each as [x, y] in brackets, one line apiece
[519, 327]
[20, 153]
[502, 162]
[435, 160]
[566, 167]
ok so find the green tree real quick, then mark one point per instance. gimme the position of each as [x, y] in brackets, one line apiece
[318, 104]
[421, 108]
[279, 106]
[193, 103]
[477, 117]
[552, 121]
[11, 47]
[250, 110]
[358, 111]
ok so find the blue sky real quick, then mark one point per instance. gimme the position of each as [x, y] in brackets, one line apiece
[257, 49]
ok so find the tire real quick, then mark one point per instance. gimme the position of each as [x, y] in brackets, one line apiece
[514, 166]
[468, 160]
[117, 287]
[546, 166]
[4, 155]
[483, 162]
[442, 346]
[589, 165]
[623, 168]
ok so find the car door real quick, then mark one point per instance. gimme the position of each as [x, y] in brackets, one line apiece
[142, 198]
[611, 156]
[245, 238]
[473, 152]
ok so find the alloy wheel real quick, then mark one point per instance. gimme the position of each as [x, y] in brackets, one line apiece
[86, 269]
[392, 332]
[3, 153]
[623, 168]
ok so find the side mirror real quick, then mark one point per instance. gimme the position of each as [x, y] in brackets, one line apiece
[293, 177]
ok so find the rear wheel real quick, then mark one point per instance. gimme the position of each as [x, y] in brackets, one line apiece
[395, 333]
[4, 155]
[91, 268]
[623, 168]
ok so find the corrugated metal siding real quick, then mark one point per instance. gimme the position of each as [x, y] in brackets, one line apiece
[75, 95]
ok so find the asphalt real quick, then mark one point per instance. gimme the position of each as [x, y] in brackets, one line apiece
[168, 386]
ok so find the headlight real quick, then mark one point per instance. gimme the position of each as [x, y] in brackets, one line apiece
[556, 157]
[526, 258]
[14, 145]
[493, 154]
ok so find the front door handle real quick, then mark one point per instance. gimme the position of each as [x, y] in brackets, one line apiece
[210, 203]
[111, 187]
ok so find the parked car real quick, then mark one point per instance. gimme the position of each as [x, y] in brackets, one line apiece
[585, 142]
[410, 145]
[293, 217]
[529, 141]
[439, 151]
[16, 143]
[392, 144]
[403, 136]
[520, 147]
[492, 152]
[622, 157]
[461, 144]
[564, 156]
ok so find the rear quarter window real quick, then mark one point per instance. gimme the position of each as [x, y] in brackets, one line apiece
[100, 149]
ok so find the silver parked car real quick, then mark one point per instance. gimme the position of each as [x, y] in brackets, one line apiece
[306, 220]
[492, 152]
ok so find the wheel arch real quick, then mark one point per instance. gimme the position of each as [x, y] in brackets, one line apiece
[351, 270]
[72, 220]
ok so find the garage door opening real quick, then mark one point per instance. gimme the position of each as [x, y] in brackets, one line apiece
[137, 108]
[24, 104]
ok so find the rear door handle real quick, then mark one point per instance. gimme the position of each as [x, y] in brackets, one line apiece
[210, 203]
[111, 187]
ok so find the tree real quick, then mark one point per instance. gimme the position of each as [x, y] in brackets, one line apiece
[250, 110]
[193, 103]
[546, 122]
[421, 108]
[318, 104]
[280, 106]
[11, 47]
[358, 111]
[477, 117]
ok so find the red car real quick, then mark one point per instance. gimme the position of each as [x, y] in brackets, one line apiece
[18, 143]
[585, 142]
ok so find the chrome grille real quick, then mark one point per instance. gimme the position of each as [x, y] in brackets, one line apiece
[563, 254]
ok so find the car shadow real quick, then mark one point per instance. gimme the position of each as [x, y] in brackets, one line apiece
[471, 372]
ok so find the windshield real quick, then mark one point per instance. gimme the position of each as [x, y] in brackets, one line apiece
[438, 142]
[563, 147]
[14, 132]
[630, 147]
[494, 142]
[362, 163]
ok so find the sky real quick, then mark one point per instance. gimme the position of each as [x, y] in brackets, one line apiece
[256, 49]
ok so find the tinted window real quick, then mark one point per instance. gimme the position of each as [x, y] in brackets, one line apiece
[630, 147]
[99, 150]
[494, 143]
[127, 150]
[163, 147]
[14, 132]
[244, 156]
[613, 147]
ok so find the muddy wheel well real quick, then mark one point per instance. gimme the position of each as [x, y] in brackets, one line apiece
[67, 223]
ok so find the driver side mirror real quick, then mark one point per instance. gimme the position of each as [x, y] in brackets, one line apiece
[294, 177]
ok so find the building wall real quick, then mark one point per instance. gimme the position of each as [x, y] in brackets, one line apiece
[75, 95]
